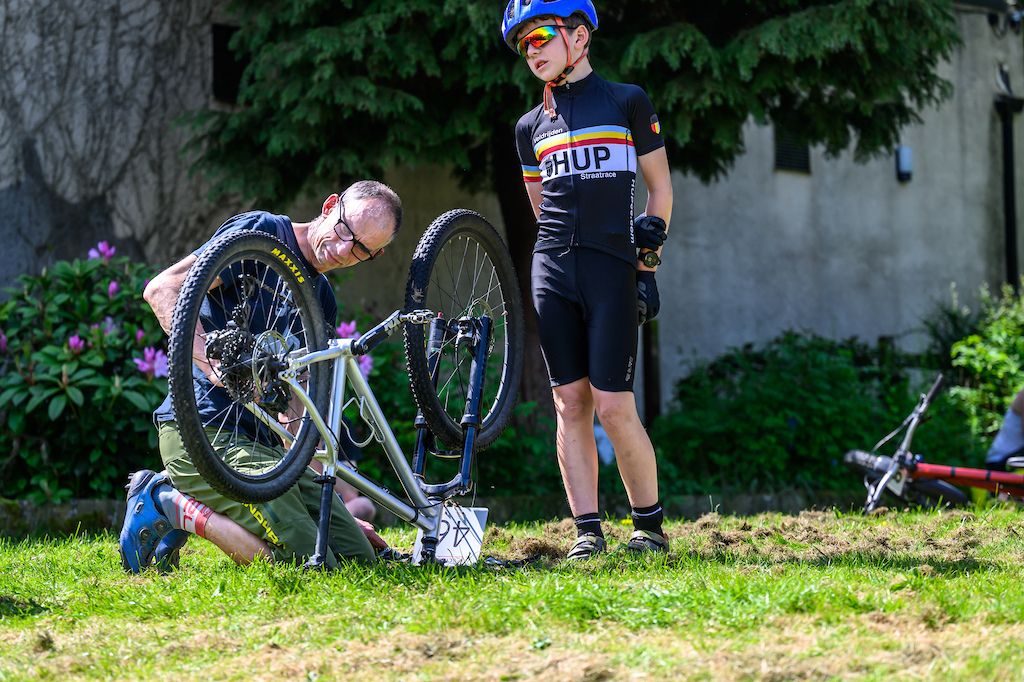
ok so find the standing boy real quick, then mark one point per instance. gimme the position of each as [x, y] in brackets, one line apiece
[580, 150]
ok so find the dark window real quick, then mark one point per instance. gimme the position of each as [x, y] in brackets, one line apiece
[790, 153]
[227, 70]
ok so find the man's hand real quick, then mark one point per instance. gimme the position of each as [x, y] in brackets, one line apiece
[376, 541]
[650, 232]
[647, 301]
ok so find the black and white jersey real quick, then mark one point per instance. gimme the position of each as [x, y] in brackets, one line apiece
[586, 160]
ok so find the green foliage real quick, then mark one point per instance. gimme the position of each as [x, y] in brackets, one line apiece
[991, 361]
[75, 403]
[784, 415]
[341, 90]
[836, 73]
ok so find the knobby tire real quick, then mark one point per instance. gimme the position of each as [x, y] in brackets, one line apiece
[277, 296]
[461, 268]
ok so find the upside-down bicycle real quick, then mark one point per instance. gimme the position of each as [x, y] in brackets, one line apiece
[909, 478]
[269, 347]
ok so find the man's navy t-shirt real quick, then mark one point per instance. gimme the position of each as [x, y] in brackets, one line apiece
[214, 403]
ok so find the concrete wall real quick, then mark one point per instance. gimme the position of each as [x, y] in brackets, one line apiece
[846, 250]
[88, 150]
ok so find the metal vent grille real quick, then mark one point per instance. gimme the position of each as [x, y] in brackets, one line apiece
[790, 153]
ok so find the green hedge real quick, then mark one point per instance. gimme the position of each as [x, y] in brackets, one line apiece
[782, 416]
[82, 366]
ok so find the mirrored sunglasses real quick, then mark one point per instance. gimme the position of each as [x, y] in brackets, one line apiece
[537, 37]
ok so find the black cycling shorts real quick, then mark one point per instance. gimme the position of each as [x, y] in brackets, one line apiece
[586, 316]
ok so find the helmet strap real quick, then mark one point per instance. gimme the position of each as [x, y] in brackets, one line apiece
[549, 97]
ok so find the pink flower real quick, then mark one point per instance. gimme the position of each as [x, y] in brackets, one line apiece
[153, 363]
[365, 365]
[138, 336]
[76, 344]
[347, 330]
[113, 289]
[104, 251]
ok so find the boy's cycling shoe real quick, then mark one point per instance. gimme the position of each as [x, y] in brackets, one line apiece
[587, 546]
[166, 556]
[647, 541]
[144, 523]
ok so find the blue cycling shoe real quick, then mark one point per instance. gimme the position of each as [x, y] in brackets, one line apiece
[166, 556]
[144, 523]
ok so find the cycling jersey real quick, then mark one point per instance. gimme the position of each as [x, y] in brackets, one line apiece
[213, 401]
[586, 160]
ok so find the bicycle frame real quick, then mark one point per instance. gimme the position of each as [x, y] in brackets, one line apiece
[425, 501]
[906, 467]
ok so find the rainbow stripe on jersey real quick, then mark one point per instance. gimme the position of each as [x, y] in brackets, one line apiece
[598, 151]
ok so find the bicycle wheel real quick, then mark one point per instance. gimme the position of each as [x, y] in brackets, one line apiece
[245, 304]
[461, 269]
[926, 493]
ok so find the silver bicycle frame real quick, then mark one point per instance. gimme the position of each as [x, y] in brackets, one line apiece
[422, 512]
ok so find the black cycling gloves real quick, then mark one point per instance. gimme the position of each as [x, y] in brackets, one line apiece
[650, 232]
[647, 301]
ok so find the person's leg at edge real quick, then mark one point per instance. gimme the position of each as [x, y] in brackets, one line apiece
[578, 462]
[635, 458]
[576, 446]
[238, 542]
[634, 452]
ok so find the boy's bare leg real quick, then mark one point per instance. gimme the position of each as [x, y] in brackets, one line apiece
[634, 452]
[576, 446]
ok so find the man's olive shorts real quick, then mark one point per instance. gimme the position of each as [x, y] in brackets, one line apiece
[288, 523]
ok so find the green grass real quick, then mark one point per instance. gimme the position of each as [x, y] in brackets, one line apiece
[822, 595]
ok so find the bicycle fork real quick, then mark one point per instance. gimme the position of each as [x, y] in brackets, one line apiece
[480, 337]
[476, 336]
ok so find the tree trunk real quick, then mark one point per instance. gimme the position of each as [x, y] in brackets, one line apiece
[521, 231]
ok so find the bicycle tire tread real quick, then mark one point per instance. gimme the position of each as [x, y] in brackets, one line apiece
[445, 227]
[222, 478]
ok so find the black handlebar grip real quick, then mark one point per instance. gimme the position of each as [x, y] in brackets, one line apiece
[934, 389]
[371, 338]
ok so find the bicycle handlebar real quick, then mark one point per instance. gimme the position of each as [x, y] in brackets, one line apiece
[370, 339]
[934, 389]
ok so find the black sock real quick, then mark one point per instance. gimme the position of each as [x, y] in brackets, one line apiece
[588, 524]
[649, 518]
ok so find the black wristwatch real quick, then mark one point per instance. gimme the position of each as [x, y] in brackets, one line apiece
[650, 258]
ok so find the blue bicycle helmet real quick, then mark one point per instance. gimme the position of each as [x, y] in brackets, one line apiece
[519, 12]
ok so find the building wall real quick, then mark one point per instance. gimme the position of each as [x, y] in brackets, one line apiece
[89, 92]
[847, 250]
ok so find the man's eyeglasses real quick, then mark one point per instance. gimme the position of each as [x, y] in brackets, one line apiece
[538, 37]
[359, 249]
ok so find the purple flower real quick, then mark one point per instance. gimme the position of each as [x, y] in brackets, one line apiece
[3, 342]
[113, 289]
[104, 251]
[365, 365]
[76, 344]
[138, 336]
[347, 330]
[109, 326]
[153, 363]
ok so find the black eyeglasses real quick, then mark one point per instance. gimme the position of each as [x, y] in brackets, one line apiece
[359, 249]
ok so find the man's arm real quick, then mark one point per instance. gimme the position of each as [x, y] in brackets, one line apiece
[658, 178]
[162, 293]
